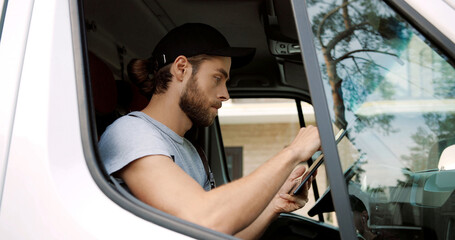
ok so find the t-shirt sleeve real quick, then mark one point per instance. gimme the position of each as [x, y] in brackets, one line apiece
[128, 139]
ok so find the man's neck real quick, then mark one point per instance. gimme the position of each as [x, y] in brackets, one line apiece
[165, 110]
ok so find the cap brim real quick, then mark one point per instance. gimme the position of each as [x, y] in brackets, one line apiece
[240, 56]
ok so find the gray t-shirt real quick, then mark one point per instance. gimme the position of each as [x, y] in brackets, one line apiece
[137, 135]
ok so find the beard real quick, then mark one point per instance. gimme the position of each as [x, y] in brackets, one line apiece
[197, 106]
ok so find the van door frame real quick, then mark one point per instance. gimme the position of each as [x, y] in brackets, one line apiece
[14, 28]
[333, 166]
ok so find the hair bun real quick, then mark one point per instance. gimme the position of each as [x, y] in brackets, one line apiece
[138, 73]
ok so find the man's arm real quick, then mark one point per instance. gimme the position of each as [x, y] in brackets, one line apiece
[282, 202]
[159, 182]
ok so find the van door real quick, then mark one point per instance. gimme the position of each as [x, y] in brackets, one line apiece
[14, 26]
[385, 75]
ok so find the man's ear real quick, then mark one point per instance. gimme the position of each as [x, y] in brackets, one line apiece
[365, 216]
[180, 67]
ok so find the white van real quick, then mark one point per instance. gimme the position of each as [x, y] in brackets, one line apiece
[381, 70]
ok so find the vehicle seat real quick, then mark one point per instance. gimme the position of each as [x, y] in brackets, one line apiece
[111, 98]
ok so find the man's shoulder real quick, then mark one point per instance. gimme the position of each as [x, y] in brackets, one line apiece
[132, 121]
[134, 117]
[130, 125]
[127, 139]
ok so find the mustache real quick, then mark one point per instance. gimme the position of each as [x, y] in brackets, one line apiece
[217, 104]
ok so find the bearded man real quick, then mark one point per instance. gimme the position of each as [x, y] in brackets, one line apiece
[147, 149]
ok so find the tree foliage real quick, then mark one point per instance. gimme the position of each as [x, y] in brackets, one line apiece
[350, 35]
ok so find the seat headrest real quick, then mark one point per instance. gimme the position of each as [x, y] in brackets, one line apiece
[129, 97]
[104, 88]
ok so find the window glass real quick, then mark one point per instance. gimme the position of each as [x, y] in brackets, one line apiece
[2, 16]
[394, 93]
[255, 129]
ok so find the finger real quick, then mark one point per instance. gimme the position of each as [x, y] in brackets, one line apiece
[290, 184]
[298, 181]
[293, 198]
[295, 178]
[298, 172]
[287, 197]
[297, 200]
[302, 202]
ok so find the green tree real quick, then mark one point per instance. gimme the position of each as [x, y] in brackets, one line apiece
[351, 35]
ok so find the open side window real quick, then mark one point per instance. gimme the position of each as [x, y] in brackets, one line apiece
[255, 129]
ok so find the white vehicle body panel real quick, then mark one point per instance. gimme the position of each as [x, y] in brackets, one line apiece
[439, 13]
[48, 191]
[12, 50]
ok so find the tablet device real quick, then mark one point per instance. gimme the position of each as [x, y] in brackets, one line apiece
[319, 160]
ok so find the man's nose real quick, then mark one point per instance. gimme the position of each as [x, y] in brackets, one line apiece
[223, 94]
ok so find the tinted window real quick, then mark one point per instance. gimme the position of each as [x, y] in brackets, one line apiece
[394, 93]
[2, 15]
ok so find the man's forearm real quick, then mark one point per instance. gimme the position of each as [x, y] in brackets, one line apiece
[258, 227]
[245, 200]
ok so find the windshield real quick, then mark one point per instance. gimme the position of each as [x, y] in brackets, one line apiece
[394, 93]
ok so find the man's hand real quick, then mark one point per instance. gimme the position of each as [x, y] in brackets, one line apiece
[283, 201]
[305, 144]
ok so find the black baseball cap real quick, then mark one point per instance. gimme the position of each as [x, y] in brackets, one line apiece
[192, 39]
